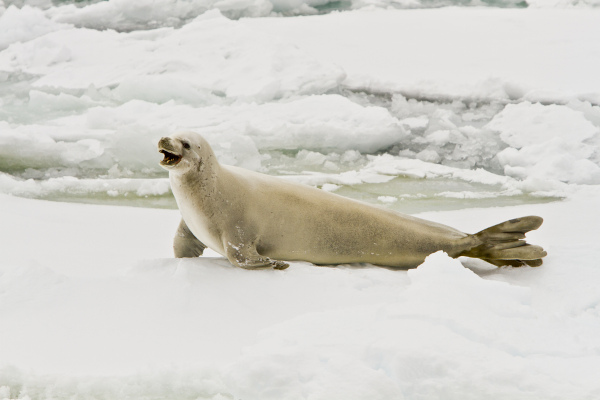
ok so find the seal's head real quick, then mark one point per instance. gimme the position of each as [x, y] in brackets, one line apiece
[183, 151]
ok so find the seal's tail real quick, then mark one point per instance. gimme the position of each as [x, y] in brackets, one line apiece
[504, 244]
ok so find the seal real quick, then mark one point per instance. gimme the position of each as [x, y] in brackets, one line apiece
[261, 221]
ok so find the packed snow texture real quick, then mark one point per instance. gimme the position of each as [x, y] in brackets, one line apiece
[548, 141]
[101, 310]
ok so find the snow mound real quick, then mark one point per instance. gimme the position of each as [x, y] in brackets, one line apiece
[210, 55]
[123, 15]
[563, 3]
[197, 384]
[548, 142]
[552, 46]
[24, 24]
[448, 133]
[83, 187]
[408, 348]
[322, 122]
[123, 139]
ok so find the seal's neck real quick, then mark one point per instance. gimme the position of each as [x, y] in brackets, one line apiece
[200, 179]
[198, 183]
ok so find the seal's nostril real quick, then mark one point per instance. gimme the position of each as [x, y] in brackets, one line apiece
[164, 141]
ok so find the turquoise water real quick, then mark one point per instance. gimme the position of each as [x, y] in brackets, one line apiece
[412, 195]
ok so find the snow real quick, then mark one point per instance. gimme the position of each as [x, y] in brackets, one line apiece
[261, 88]
[21, 25]
[533, 54]
[481, 113]
[101, 306]
[229, 60]
[547, 141]
[123, 15]
[127, 15]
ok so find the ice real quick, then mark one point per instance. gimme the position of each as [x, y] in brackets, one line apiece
[108, 311]
[122, 15]
[376, 350]
[127, 135]
[325, 122]
[24, 24]
[211, 54]
[68, 185]
[552, 142]
[487, 114]
[539, 55]
[262, 92]
[387, 199]
[447, 315]
[563, 3]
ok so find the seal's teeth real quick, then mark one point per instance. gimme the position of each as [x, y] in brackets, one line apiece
[169, 158]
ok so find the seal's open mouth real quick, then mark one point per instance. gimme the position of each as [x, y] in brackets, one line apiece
[170, 159]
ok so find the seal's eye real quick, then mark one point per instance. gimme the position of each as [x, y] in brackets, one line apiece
[186, 145]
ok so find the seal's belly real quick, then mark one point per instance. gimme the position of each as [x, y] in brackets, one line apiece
[348, 232]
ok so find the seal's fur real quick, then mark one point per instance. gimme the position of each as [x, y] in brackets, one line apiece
[256, 220]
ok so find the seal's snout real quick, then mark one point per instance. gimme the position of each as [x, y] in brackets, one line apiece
[172, 155]
[164, 142]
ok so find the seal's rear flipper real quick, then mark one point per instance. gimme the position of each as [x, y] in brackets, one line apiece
[503, 244]
[185, 244]
[515, 263]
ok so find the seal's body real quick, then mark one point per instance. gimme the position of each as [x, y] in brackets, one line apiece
[256, 220]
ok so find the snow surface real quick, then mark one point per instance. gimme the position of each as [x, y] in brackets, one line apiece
[546, 55]
[438, 109]
[124, 15]
[92, 304]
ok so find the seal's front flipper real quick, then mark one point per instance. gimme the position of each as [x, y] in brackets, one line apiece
[245, 256]
[503, 244]
[185, 244]
[279, 264]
